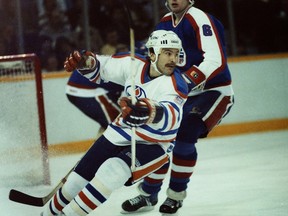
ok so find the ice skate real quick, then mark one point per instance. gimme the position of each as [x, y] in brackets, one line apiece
[173, 202]
[139, 203]
[170, 207]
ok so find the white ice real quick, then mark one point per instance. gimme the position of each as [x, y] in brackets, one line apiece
[245, 175]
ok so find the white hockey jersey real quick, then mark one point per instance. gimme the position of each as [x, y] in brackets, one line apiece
[170, 91]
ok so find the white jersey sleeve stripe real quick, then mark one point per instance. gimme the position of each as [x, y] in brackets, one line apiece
[213, 58]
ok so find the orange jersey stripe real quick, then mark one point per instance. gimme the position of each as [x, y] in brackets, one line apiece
[140, 173]
[173, 116]
[150, 139]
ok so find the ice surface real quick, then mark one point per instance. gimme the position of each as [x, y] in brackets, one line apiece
[244, 175]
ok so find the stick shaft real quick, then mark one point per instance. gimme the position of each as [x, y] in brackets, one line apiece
[133, 69]
[133, 98]
[20, 197]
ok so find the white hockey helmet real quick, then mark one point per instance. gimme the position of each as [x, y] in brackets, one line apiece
[163, 39]
[167, 5]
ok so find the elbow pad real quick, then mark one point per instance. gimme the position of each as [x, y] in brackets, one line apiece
[194, 78]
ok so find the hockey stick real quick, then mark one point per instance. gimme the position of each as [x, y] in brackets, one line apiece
[20, 197]
[133, 97]
[24, 198]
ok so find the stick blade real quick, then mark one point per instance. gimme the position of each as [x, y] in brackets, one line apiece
[18, 196]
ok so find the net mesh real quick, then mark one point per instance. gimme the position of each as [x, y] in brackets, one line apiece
[20, 142]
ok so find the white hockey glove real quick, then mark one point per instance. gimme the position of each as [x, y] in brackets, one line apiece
[145, 111]
[195, 79]
[84, 62]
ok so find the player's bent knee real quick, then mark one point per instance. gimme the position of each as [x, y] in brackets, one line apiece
[114, 172]
[74, 184]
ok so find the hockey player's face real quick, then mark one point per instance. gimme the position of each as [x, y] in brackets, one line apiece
[177, 6]
[167, 60]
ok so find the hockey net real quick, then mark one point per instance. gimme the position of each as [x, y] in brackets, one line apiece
[23, 141]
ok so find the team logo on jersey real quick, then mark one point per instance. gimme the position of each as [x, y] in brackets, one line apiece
[194, 75]
[139, 92]
[182, 59]
[178, 100]
[196, 110]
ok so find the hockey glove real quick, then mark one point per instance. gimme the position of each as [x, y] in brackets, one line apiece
[145, 111]
[84, 62]
[195, 79]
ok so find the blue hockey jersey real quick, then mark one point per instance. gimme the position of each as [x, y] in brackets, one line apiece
[203, 43]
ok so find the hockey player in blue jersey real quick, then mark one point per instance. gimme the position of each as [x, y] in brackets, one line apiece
[160, 92]
[97, 101]
[203, 63]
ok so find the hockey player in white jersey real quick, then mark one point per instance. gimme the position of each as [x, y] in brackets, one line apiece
[160, 95]
[203, 62]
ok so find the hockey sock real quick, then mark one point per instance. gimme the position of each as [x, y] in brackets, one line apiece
[111, 175]
[152, 183]
[183, 163]
[64, 195]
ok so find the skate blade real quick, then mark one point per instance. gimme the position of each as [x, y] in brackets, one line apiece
[139, 211]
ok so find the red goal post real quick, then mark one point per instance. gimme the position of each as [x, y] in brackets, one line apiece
[22, 119]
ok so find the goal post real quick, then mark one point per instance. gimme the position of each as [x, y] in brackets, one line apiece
[23, 141]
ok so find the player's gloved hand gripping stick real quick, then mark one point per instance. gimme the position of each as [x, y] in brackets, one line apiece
[144, 111]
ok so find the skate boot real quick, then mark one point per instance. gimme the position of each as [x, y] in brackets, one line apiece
[170, 206]
[173, 202]
[141, 203]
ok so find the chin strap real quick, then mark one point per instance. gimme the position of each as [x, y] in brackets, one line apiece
[155, 66]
